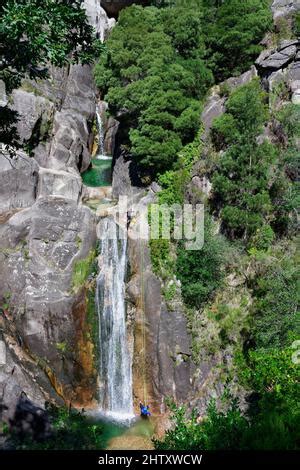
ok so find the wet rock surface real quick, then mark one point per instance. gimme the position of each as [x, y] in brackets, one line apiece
[161, 357]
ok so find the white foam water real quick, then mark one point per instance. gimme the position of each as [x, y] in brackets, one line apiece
[115, 395]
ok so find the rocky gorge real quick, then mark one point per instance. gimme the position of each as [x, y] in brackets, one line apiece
[48, 234]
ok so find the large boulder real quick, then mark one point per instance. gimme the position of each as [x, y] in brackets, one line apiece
[18, 181]
[35, 115]
[59, 184]
[279, 59]
[125, 180]
[284, 8]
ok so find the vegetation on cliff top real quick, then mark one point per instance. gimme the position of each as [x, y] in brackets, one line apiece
[154, 76]
[158, 66]
[34, 34]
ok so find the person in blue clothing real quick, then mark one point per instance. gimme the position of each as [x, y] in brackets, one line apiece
[145, 413]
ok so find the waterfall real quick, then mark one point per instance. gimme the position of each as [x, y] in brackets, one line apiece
[115, 361]
[101, 148]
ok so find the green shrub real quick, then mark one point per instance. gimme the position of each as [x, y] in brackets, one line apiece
[234, 30]
[273, 423]
[284, 190]
[296, 28]
[241, 183]
[276, 295]
[200, 272]
[82, 269]
[223, 131]
[263, 238]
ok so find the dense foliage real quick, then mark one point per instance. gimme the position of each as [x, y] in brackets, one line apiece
[273, 417]
[234, 30]
[200, 271]
[275, 316]
[35, 32]
[154, 76]
[243, 177]
[284, 190]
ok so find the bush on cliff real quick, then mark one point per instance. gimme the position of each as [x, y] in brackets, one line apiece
[272, 421]
[241, 183]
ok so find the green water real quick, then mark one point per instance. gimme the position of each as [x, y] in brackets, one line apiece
[111, 431]
[100, 174]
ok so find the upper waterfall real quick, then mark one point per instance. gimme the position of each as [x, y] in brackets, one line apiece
[101, 154]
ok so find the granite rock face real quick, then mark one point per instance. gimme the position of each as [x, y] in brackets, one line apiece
[18, 181]
[284, 55]
[98, 18]
[284, 8]
[285, 74]
[35, 114]
[46, 348]
[162, 365]
[73, 122]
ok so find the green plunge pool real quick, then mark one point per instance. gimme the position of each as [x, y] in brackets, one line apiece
[100, 172]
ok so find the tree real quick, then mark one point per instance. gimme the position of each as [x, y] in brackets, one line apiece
[200, 272]
[272, 421]
[36, 32]
[241, 182]
[234, 30]
[275, 298]
[284, 192]
[154, 76]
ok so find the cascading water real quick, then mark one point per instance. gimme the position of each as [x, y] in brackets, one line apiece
[115, 361]
[100, 172]
[101, 147]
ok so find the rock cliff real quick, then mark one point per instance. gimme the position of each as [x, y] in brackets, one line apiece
[46, 344]
[47, 347]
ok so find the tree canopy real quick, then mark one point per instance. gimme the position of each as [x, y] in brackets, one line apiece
[153, 76]
[233, 32]
[36, 32]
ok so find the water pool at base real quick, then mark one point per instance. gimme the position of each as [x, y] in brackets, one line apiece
[136, 436]
[100, 173]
